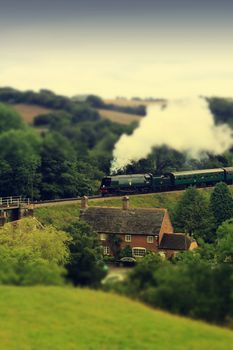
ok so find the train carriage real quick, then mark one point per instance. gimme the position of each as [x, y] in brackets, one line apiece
[204, 177]
[229, 175]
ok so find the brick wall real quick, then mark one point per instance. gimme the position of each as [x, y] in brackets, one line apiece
[140, 241]
[137, 241]
[166, 226]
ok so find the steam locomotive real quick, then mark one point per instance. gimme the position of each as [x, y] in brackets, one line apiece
[146, 183]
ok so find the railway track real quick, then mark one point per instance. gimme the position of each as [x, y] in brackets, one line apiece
[46, 203]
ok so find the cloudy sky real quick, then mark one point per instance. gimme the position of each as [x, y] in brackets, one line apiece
[158, 48]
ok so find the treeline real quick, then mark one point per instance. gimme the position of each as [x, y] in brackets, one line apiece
[75, 150]
[44, 98]
[222, 109]
[48, 99]
[97, 102]
[197, 283]
[67, 160]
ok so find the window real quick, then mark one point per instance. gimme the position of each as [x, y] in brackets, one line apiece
[103, 237]
[127, 238]
[106, 250]
[138, 251]
[150, 239]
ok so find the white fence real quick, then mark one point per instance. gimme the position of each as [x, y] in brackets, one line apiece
[7, 202]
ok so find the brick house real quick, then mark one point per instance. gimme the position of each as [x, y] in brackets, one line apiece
[142, 229]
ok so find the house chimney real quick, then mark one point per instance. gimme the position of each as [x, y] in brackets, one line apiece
[84, 202]
[125, 203]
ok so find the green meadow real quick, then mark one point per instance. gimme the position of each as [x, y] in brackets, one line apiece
[56, 318]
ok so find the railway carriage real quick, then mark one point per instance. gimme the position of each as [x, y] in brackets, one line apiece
[206, 177]
[229, 175]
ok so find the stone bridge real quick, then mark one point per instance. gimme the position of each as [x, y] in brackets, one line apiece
[14, 208]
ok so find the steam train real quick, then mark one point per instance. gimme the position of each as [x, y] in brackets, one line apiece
[146, 183]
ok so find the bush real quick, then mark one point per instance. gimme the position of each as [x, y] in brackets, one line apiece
[86, 266]
[22, 266]
[32, 254]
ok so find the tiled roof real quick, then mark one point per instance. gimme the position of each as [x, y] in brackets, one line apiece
[175, 241]
[119, 221]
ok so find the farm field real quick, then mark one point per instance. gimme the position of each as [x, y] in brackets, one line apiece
[65, 318]
[29, 112]
[119, 117]
[131, 103]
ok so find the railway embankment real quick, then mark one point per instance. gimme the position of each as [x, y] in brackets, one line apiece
[64, 211]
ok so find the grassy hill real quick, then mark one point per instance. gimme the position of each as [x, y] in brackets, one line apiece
[55, 318]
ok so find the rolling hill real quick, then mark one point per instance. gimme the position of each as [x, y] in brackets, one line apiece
[65, 318]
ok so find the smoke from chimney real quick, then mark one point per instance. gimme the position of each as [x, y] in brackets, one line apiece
[185, 125]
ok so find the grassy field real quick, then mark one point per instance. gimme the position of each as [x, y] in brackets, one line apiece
[119, 117]
[29, 112]
[125, 102]
[56, 318]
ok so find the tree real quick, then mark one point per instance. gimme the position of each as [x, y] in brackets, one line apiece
[58, 168]
[192, 286]
[46, 241]
[22, 266]
[86, 266]
[9, 119]
[221, 203]
[114, 242]
[19, 163]
[32, 254]
[95, 101]
[192, 215]
[225, 242]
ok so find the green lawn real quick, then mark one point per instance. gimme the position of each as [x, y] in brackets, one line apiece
[54, 318]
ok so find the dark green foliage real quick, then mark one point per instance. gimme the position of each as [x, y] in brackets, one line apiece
[55, 120]
[222, 109]
[58, 168]
[126, 251]
[9, 119]
[221, 203]
[225, 242]
[162, 159]
[19, 163]
[97, 102]
[192, 215]
[114, 242]
[192, 286]
[86, 266]
[20, 266]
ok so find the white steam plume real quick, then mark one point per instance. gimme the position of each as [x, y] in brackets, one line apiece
[185, 125]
